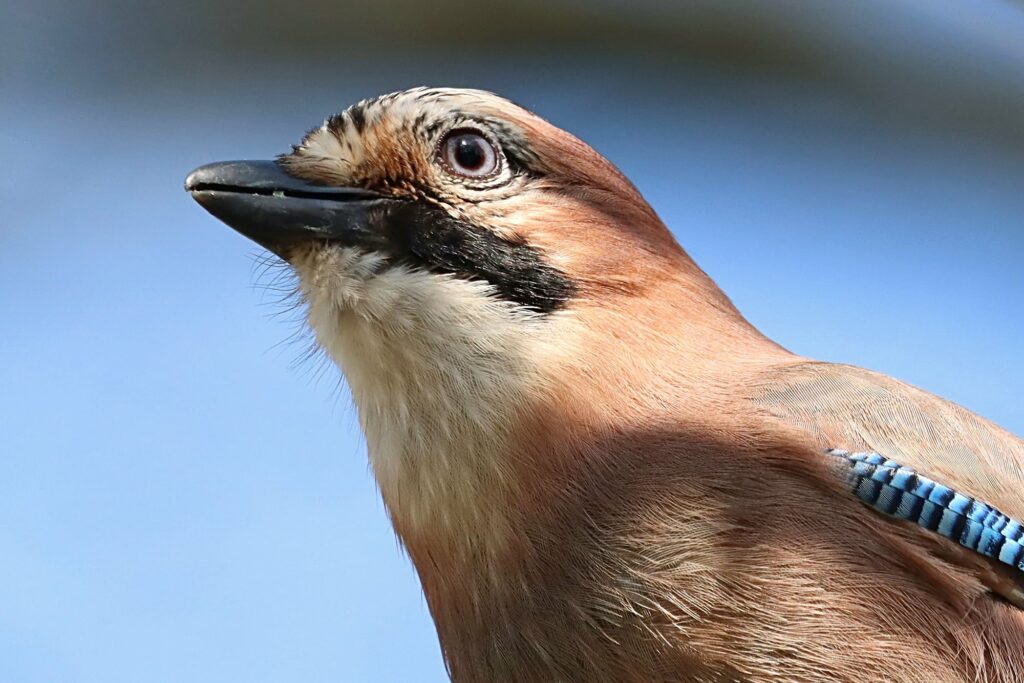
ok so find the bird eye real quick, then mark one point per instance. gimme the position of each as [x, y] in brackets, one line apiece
[468, 153]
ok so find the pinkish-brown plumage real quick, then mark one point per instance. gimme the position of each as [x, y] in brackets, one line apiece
[629, 485]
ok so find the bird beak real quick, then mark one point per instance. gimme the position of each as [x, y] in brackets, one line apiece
[279, 211]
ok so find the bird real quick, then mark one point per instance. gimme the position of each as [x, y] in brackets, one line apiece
[600, 470]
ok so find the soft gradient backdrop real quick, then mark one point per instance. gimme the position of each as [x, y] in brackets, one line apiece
[179, 501]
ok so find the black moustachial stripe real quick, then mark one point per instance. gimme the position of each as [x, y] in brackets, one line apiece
[425, 236]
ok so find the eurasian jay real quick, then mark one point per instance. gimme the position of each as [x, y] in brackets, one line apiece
[600, 470]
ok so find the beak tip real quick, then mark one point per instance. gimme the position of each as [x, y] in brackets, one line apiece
[198, 176]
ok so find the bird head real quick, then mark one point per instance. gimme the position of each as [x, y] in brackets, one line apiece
[457, 183]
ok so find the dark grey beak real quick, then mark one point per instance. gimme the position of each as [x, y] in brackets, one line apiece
[279, 211]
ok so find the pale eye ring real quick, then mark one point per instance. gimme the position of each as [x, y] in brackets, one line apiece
[469, 153]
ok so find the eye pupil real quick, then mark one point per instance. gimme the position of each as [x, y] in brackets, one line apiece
[470, 154]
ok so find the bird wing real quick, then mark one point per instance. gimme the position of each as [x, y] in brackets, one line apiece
[905, 446]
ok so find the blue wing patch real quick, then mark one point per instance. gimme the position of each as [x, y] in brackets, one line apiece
[901, 492]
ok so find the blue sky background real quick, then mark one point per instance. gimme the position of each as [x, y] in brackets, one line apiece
[178, 501]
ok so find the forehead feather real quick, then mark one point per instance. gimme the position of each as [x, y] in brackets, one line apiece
[423, 110]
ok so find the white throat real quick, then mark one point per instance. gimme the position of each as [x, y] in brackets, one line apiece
[438, 369]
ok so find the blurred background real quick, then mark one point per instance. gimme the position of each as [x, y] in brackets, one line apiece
[181, 501]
